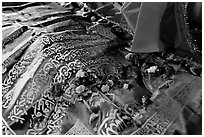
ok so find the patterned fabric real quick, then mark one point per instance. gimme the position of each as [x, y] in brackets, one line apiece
[66, 71]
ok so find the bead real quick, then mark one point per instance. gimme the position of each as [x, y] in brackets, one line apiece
[105, 88]
[93, 18]
[125, 86]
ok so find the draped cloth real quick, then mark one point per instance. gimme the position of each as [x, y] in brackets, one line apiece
[144, 19]
[65, 72]
[160, 26]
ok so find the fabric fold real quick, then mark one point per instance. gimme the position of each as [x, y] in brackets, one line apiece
[147, 25]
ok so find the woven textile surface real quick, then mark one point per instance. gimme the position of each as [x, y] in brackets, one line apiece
[65, 71]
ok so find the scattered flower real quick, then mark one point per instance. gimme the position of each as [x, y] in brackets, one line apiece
[144, 99]
[94, 75]
[129, 56]
[137, 117]
[105, 88]
[125, 86]
[80, 98]
[89, 71]
[80, 74]
[95, 129]
[89, 91]
[152, 69]
[72, 85]
[110, 83]
[80, 89]
[142, 111]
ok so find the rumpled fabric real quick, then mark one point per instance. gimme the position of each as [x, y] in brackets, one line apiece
[66, 72]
